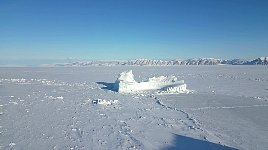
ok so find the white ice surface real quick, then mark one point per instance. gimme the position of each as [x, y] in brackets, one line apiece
[125, 83]
[51, 108]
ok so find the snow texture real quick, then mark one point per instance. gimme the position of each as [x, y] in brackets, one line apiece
[77, 108]
[126, 83]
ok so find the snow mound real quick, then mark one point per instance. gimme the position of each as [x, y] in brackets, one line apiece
[126, 83]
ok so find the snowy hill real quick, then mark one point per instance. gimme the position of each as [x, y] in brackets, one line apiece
[150, 62]
[258, 61]
[199, 61]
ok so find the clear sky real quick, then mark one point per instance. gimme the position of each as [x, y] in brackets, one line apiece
[129, 29]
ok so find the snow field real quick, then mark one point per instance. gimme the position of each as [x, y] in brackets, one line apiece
[76, 108]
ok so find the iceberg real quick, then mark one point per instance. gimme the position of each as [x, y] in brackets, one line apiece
[126, 83]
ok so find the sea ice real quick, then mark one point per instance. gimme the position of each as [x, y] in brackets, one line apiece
[104, 102]
[126, 83]
[228, 109]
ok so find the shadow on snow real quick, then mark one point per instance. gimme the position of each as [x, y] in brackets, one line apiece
[183, 143]
[180, 142]
[107, 86]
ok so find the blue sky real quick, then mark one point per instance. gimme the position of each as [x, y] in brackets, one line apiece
[129, 29]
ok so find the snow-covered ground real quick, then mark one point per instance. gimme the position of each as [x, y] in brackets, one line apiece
[77, 108]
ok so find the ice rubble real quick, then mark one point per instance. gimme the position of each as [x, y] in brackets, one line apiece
[126, 83]
[105, 102]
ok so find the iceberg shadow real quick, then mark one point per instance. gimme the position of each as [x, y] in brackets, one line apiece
[108, 86]
[183, 143]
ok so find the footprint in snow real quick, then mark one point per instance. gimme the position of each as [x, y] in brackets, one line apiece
[79, 133]
[15, 103]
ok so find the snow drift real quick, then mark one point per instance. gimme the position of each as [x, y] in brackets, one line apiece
[126, 83]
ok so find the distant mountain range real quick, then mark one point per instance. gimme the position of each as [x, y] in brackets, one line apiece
[176, 62]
